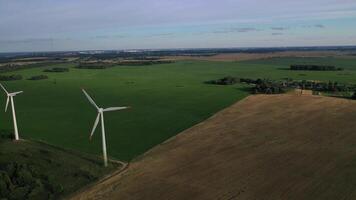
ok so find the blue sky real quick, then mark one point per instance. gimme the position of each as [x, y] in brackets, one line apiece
[42, 25]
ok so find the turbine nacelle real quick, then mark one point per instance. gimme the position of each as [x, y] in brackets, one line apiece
[10, 95]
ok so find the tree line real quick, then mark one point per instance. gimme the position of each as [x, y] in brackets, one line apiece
[14, 67]
[38, 77]
[16, 77]
[13, 77]
[104, 65]
[267, 86]
[57, 69]
[315, 68]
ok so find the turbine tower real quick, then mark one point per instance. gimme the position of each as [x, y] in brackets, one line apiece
[10, 97]
[101, 116]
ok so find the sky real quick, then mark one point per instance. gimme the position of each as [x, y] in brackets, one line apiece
[53, 25]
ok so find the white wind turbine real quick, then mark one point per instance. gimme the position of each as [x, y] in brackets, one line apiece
[10, 97]
[101, 116]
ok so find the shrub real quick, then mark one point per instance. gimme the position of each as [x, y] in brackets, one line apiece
[39, 192]
[6, 134]
[39, 77]
[19, 181]
[144, 62]
[229, 80]
[4, 191]
[96, 65]
[24, 177]
[53, 186]
[315, 68]
[104, 65]
[354, 95]
[266, 86]
[19, 193]
[57, 69]
[10, 77]
[5, 184]
[10, 168]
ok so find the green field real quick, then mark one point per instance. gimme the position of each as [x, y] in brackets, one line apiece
[165, 100]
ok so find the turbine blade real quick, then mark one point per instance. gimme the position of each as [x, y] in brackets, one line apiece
[16, 93]
[7, 103]
[95, 125]
[115, 109]
[90, 99]
[4, 88]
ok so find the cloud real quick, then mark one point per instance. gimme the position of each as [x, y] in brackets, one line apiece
[319, 26]
[314, 26]
[101, 37]
[161, 35]
[277, 34]
[27, 41]
[279, 28]
[244, 30]
[237, 30]
[108, 36]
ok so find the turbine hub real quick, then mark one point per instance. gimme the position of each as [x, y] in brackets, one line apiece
[101, 110]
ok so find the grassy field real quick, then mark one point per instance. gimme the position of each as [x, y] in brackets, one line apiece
[165, 100]
[41, 171]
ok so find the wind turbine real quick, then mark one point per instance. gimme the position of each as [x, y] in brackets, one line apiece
[10, 97]
[101, 116]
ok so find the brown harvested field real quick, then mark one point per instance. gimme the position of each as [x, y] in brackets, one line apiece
[254, 56]
[263, 147]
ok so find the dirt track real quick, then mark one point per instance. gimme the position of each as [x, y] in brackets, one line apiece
[264, 147]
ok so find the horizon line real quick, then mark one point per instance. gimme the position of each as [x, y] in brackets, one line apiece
[182, 49]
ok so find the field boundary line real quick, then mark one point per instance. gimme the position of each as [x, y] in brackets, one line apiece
[192, 127]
